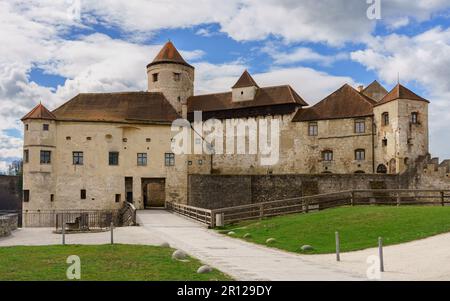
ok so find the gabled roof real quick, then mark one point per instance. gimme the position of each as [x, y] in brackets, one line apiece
[169, 55]
[346, 102]
[401, 92]
[246, 80]
[268, 96]
[39, 112]
[375, 91]
[127, 107]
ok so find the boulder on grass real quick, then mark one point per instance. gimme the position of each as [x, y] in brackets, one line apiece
[306, 248]
[179, 255]
[231, 233]
[270, 240]
[165, 245]
[204, 269]
[247, 235]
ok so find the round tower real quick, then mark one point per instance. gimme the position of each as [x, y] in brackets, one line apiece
[171, 75]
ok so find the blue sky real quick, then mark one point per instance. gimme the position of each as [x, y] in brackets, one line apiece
[51, 53]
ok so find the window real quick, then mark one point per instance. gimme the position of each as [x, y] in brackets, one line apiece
[313, 129]
[327, 156]
[68, 138]
[198, 141]
[155, 77]
[179, 98]
[200, 162]
[176, 76]
[52, 198]
[26, 196]
[26, 127]
[83, 194]
[385, 118]
[77, 158]
[384, 142]
[169, 159]
[189, 162]
[118, 198]
[26, 156]
[113, 158]
[46, 157]
[88, 138]
[142, 159]
[360, 154]
[360, 126]
[45, 127]
[414, 118]
[125, 140]
[381, 168]
[148, 140]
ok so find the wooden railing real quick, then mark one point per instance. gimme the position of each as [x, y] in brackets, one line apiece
[92, 219]
[394, 197]
[201, 215]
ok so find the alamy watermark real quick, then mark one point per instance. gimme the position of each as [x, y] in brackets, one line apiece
[251, 136]
[374, 10]
[74, 270]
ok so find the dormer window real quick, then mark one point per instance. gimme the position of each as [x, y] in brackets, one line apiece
[155, 77]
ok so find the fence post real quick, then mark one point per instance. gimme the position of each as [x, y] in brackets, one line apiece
[380, 253]
[306, 206]
[352, 198]
[338, 247]
[63, 232]
[442, 199]
[112, 233]
[261, 211]
[399, 199]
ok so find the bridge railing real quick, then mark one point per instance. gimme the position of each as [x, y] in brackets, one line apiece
[201, 215]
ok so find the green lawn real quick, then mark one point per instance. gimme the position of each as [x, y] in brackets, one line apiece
[102, 262]
[359, 227]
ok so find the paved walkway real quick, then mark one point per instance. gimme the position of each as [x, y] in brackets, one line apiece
[242, 260]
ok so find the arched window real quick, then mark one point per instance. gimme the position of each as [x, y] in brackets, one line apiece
[381, 168]
[327, 155]
[385, 118]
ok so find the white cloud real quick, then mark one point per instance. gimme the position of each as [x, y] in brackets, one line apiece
[302, 55]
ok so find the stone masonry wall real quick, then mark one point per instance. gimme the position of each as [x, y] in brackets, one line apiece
[219, 191]
[9, 193]
[8, 223]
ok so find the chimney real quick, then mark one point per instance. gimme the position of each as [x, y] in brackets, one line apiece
[360, 88]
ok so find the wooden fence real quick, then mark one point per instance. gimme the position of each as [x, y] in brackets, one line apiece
[201, 215]
[392, 197]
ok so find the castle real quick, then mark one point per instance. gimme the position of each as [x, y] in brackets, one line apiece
[99, 150]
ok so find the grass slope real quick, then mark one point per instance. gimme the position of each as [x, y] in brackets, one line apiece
[359, 227]
[102, 262]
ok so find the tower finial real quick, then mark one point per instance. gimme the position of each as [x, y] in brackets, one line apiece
[398, 78]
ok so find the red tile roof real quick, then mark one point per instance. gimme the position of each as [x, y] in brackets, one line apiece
[346, 102]
[170, 55]
[39, 112]
[246, 80]
[400, 92]
[126, 107]
[267, 96]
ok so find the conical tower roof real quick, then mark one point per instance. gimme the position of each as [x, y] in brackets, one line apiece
[39, 112]
[169, 55]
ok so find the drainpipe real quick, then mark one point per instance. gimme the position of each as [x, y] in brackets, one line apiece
[373, 144]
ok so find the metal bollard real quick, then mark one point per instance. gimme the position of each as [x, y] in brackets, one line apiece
[112, 233]
[380, 253]
[338, 247]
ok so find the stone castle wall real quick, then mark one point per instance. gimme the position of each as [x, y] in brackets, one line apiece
[219, 191]
[10, 194]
